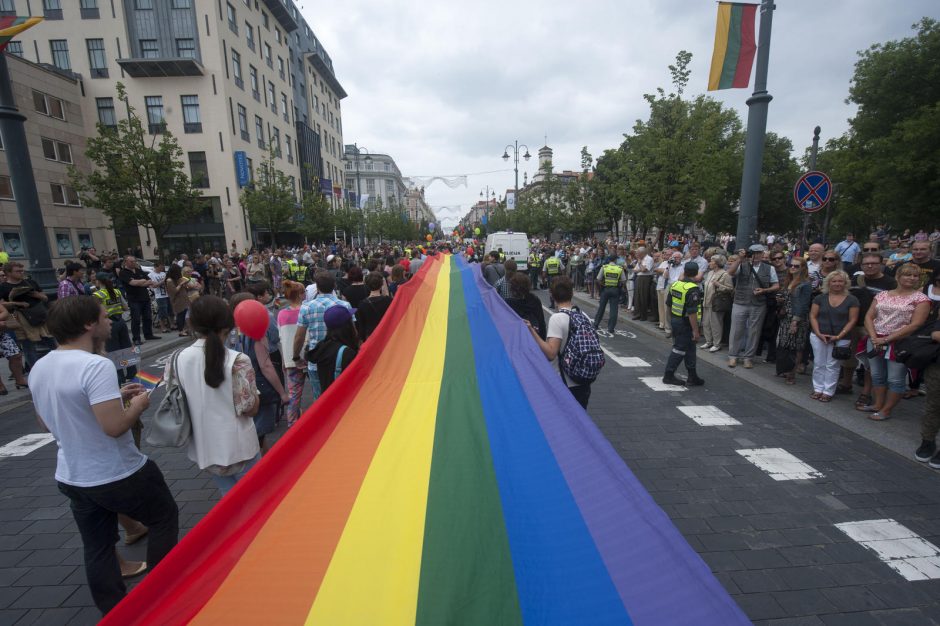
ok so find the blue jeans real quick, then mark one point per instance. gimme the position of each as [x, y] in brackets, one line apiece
[225, 483]
[163, 309]
[885, 373]
[314, 380]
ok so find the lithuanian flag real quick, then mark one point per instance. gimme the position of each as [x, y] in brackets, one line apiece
[734, 46]
[13, 25]
[447, 477]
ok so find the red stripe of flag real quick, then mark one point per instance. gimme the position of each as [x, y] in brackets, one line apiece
[742, 73]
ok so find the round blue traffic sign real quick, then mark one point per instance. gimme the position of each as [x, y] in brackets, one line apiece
[812, 191]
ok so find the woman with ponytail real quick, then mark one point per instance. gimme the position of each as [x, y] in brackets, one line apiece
[221, 394]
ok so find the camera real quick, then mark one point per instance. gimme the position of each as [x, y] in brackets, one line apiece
[673, 262]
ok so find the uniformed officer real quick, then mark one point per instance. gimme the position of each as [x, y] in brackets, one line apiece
[550, 271]
[115, 306]
[685, 298]
[535, 265]
[612, 279]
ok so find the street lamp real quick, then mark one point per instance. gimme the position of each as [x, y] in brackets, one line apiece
[357, 152]
[515, 151]
[487, 197]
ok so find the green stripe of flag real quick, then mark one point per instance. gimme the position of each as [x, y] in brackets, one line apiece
[466, 567]
[733, 51]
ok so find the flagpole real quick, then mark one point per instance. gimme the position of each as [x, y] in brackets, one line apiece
[757, 106]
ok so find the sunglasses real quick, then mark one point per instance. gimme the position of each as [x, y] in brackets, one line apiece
[778, 258]
[830, 258]
[794, 265]
[870, 250]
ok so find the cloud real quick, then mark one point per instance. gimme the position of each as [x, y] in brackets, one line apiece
[443, 87]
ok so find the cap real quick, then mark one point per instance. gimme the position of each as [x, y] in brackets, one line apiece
[673, 244]
[757, 248]
[691, 268]
[337, 316]
[329, 258]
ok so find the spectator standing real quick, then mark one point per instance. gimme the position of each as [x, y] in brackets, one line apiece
[929, 268]
[814, 257]
[295, 375]
[930, 422]
[719, 293]
[645, 291]
[311, 328]
[832, 317]
[865, 286]
[179, 297]
[26, 301]
[158, 279]
[71, 284]
[754, 281]
[99, 469]
[848, 250]
[794, 303]
[136, 284]
[10, 351]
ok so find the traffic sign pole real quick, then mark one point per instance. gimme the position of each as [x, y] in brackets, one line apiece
[812, 167]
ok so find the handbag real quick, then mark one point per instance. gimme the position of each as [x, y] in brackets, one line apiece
[917, 351]
[171, 425]
[839, 353]
[722, 300]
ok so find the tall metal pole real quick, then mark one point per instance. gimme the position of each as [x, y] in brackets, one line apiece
[756, 130]
[13, 131]
[812, 166]
[516, 153]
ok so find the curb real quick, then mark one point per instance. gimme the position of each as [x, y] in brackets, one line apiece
[900, 435]
[146, 352]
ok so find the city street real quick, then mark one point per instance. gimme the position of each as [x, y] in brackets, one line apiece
[805, 519]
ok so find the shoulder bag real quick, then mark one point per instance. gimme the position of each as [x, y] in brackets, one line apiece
[839, 353]
[722, 300]
[171, 426]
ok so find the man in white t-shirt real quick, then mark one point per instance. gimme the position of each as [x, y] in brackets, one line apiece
[645, 292]
[98, 467]
[158, 276]
[557, 335]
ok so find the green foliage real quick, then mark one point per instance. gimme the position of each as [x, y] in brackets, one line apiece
[314, 221]
[137, 179]
[887, 166]
[270, 201]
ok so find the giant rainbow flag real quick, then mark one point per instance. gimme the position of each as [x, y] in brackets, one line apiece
[447, 477]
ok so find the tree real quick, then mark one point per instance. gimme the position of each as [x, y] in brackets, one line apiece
[270, 201]
[137, 180]
[314, 221]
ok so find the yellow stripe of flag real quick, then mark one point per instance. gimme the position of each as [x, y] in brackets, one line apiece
[721, 45]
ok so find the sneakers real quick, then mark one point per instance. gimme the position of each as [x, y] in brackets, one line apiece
[671, 379]
[732, 362]
[705, 346]
[934, 462]
[748, 364]
[715, 349]
[926, 451]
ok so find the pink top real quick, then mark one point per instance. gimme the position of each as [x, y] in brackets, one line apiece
[287, 329]
[893, 312]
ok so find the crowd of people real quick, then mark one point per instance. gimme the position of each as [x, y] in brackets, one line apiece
[845, 309]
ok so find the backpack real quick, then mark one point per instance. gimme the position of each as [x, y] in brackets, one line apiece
[582, 357]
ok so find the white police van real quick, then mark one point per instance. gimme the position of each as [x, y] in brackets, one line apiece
[514, 245]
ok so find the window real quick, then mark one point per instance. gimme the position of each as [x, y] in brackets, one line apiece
[388, 168]
[237, 70]
[271, 98]
[155, 117]
[276, 141]
[48, 105]
[280, 67]
[52, 9]
[63, 194]
[199, 169]
[89, 9]
[277, 34]
[243, 123]
[106, 115]
[264, 20]
[370, 186]
[290, 149]
[97, 60]
[182, 4]
[6, 189]
[56, 150]
[60, 54]
[389, 186]
[250, 36]
[259, 131]
[191, 121]
[7, 7]
[186, 48]
[284, 113]
[267, 55]
[15, 48]
[143, 4]
[232, 18]
[253, 82]
[149, 49]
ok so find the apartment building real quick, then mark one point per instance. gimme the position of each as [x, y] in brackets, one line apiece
[55, 136]
[376, 177]
[231, 79]
[417, 206]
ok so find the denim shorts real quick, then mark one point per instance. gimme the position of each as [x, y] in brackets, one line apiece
[265, 419]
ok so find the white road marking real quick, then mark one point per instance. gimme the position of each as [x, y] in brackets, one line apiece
[625, 361]
[656, 384]
[603, 333]
[25, 444]
[625, 333]
[708, 416]
[900, 548]
[163, 360]
[780, 464]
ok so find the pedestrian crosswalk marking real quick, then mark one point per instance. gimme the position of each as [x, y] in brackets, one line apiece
[897, 546]
[656, 384]
[625, 361]
[25, 444]
[780, 464]
[708, 416]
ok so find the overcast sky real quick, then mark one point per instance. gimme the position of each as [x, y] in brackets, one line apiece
[443, 87]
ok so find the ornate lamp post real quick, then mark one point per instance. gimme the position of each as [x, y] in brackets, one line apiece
[515, 151]
[357, 152]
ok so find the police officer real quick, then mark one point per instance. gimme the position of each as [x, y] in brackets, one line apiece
[115, 306]
[685, 298]
[535, 265]
[612, 279]
[550, 271]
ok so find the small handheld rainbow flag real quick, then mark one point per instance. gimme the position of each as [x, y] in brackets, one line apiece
[447, 477]
[150, 381]
[734, 51]
[13, 25]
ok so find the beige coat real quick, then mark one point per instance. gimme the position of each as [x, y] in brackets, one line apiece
[716, 281]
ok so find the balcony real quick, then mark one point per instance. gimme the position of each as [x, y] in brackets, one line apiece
[282, 14]
[273, 107]
[99, 72]
[52, 14]
[239, 82]
[90, 14]
[192, 127]
[156, 129]
[256, 95]
[165, 67]
[246, 136]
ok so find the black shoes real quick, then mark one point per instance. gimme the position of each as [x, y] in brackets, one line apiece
[693, 380]
[153, 338]
[926, 450]
[670, 379]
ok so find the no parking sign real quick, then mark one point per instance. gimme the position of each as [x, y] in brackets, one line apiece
[812, 191]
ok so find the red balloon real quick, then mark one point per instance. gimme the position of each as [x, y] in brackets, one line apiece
[252, 319]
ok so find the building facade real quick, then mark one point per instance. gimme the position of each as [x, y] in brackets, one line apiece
[376, 178]
[235, 81]
[55, 135]
[419, 211]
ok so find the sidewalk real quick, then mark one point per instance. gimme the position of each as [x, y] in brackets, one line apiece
[18, 398]
[901, 434]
